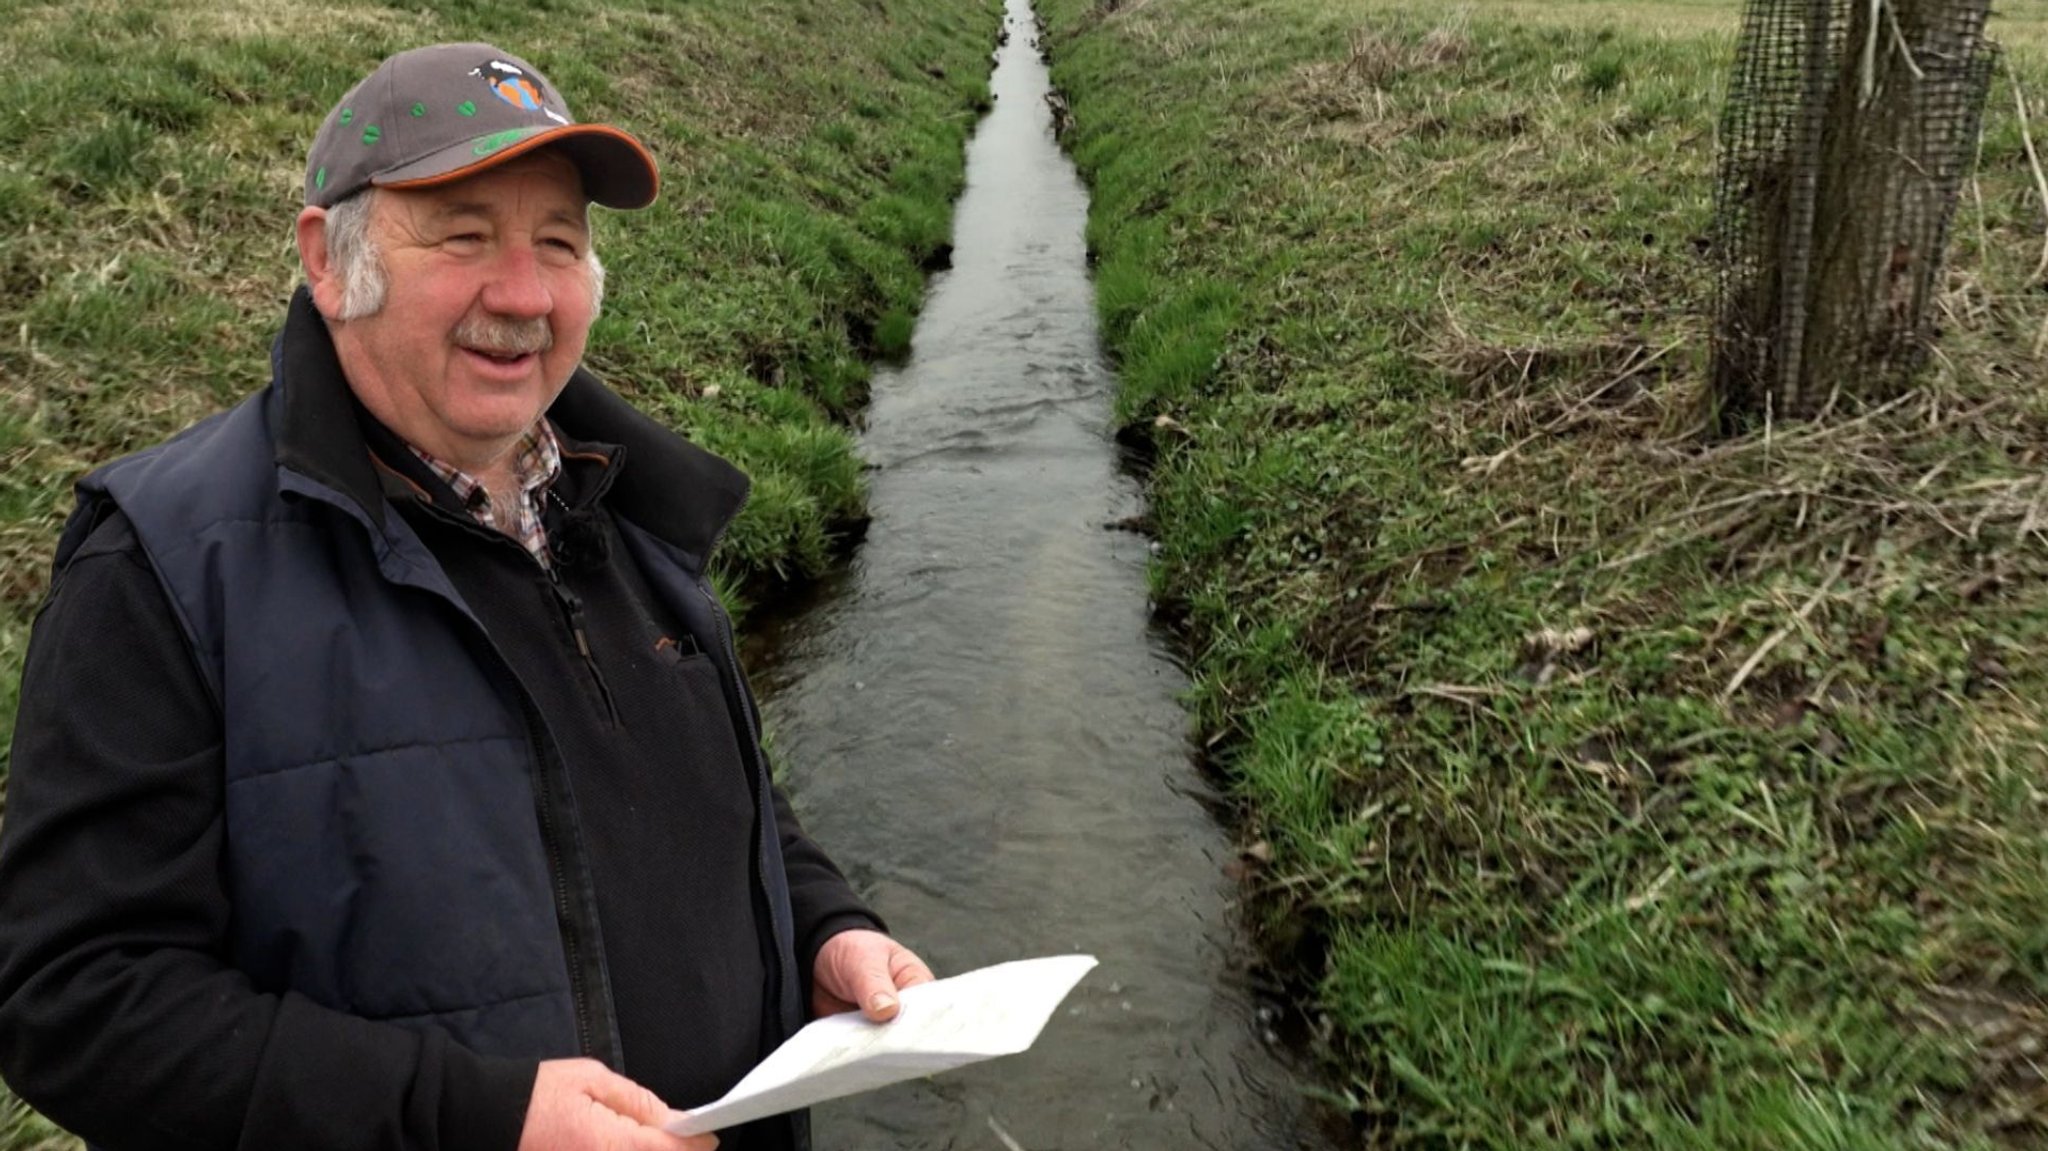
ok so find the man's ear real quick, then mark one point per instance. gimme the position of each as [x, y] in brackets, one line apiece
[321, 274]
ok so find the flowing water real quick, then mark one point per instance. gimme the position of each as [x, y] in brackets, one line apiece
[981, 727]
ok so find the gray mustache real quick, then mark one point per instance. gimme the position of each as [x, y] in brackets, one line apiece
[505, 337]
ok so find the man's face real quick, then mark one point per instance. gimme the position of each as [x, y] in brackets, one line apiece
[490, 300]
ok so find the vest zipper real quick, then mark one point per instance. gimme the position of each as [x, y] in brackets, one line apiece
[550, 836]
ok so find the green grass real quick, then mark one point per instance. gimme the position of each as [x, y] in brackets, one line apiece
[1614, 785]
[150, 167]
[23, 1130]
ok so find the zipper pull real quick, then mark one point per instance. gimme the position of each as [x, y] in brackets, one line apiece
[573, 605]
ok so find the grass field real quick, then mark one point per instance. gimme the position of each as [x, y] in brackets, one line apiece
[1605, 783]
[150, 167]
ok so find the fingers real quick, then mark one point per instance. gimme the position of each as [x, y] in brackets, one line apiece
[633, 1137]
[873, 987]
[825, 1003]
[581, 1105]
[851, 969]
[901, 968]
[636, 1115]
[621, 1132]
[628, 1098]
[864, 969]
[907, 970]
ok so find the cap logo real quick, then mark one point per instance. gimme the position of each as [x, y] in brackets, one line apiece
[509, 84]
[485, 145]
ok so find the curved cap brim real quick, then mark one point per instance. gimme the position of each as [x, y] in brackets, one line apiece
[618, 171]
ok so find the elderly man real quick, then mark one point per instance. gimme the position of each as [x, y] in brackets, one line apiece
[385, 776]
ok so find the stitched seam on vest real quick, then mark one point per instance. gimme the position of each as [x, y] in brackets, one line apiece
[173, 547]
[266, 521]
[202, 536]
[435, 1012]
[374, 753]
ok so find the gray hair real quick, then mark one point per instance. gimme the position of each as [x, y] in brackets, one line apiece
[353, 254]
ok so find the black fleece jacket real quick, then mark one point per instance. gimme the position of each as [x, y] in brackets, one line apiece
[121, 1016]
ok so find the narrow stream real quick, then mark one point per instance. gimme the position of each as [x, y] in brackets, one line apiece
[982, 728]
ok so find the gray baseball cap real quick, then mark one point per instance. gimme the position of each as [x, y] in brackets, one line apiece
[434, 115]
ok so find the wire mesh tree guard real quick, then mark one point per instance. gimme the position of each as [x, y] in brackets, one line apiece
[1848, 128]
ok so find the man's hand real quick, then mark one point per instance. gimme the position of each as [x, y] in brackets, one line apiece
[864, 969]
[580, 1105]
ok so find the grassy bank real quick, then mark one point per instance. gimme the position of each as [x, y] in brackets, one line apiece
[1607, 784]
[150, 166]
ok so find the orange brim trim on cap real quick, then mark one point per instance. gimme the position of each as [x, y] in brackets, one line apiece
[542, 139]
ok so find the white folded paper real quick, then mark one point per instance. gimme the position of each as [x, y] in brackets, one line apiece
[950, 1023]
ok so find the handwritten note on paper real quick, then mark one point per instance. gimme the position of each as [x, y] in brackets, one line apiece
[951, 1023]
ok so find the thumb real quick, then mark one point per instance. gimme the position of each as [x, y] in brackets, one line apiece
[876, 994]
[853, 970]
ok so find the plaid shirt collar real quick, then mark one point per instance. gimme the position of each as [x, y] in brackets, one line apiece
[537, 463]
